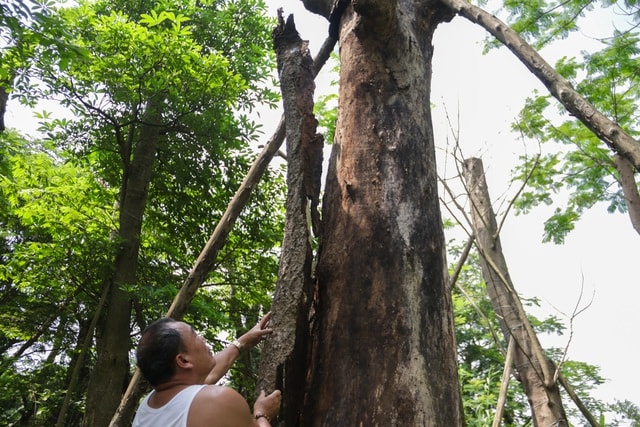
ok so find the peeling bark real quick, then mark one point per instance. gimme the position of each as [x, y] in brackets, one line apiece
[534, 370]
[286, 349]
[607, 130]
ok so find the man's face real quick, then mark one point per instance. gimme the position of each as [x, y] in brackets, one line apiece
[196, 349]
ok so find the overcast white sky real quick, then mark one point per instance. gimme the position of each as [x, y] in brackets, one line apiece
[484, 93]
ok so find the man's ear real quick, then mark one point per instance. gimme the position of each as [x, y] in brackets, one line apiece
[183, 361]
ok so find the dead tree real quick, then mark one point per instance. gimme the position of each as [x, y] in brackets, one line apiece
[534, 369]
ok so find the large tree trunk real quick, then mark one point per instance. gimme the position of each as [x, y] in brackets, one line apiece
[109, 376]
[384, 348]
[535, 371]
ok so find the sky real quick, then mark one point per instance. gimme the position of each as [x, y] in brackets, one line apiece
[482, 94]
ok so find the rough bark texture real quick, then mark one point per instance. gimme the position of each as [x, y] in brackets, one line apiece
[287, 346]
[383, 352]
[535, 371]
[109, 376]
[607, 130]
[630, 190]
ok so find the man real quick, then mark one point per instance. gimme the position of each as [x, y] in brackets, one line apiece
[181, 368]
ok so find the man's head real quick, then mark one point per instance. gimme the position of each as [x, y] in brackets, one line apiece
[160, 344]
[169, 348]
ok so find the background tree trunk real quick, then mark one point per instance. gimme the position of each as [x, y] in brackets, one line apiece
[4, 98]
[384, 350]
[535, 370]
[109, 377]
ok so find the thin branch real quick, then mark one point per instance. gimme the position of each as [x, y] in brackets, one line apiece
[518, 193]
[576, 312]
[581, 406]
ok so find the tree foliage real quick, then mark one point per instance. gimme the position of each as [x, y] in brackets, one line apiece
[578, 164]
[56, 222]
[209, 64]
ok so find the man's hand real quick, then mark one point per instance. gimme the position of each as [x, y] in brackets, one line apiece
[267, 406]
[226, 357]
[256, 334]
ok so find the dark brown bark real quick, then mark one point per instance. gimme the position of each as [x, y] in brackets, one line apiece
[321, 7]
[4, 98]
[607, 130]
[629, 189]
[109, 376]
[383, 352]
[286, 349]
[535, 371]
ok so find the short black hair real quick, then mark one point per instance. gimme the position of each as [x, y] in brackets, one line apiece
[159, 345]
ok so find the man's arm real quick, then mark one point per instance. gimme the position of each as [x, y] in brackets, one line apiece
[219, 406]
[226, 357]
[224, 407]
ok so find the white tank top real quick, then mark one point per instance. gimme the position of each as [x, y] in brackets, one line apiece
[173, 414]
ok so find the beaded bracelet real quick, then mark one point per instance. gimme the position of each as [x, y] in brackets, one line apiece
[261, 415]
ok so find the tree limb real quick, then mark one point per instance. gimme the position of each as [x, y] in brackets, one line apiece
[604, 128]
[583, 409]
[504, 384]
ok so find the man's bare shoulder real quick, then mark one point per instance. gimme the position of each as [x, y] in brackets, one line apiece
[217, 406]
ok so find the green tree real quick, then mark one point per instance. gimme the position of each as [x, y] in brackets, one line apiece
[573, 161]
[56, 222]
[27, 26]
[160, 94]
